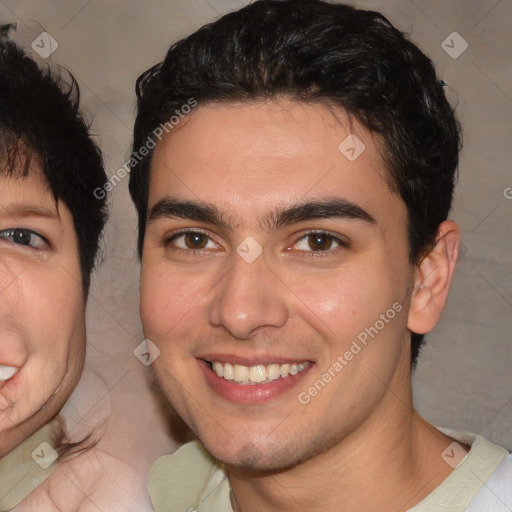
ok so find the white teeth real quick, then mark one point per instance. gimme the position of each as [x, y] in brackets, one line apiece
[6, 372]
[228, 371]
[241, 373]
[273, 371]
[258, 373]
[219, 370]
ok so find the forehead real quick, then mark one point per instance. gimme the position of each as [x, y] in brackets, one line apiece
[22, 183]
[254, 155]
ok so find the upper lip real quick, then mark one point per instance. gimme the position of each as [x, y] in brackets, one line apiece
[17, 362]
[13, 351]
[264, 359]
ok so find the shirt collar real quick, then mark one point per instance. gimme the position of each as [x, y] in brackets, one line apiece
[27, 466]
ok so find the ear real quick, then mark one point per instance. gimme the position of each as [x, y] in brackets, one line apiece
[432, 279]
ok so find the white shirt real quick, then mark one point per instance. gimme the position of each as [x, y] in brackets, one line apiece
[191, 480]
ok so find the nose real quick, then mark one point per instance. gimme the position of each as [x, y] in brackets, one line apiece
[250, 296]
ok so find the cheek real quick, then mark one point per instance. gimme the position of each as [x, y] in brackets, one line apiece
[342, 305]
[337, 299]
[51, 325]
[55, 312]
[152, 299]
[172, 299]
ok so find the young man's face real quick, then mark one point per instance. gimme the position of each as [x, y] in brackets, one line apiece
[208, 298]
[42, 324]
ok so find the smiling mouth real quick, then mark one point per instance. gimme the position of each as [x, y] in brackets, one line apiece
[257, 374]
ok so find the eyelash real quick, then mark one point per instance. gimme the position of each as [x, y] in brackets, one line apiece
[173, 237]
[8, 234]
[342, 243]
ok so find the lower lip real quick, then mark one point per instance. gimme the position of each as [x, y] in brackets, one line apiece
[250, 394]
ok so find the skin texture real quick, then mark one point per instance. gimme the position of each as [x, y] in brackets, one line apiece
[42, 309]
[293, 301]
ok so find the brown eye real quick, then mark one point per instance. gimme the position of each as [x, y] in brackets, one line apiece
[319, 242]
[190, 241]
[195, 240]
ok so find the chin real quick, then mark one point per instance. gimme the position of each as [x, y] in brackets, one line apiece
[260, 465]
[252, 457]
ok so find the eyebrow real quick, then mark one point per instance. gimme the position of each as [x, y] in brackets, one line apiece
[330, 208]
[26, 210]
[169, 208]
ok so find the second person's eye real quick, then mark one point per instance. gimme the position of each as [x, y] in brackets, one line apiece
[318, 242]
[191, 240]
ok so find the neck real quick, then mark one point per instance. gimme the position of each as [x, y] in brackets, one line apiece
[390, 462]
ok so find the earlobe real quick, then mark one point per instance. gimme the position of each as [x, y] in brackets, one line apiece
[433, 278]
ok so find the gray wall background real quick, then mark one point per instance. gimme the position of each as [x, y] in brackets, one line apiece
[463, 379]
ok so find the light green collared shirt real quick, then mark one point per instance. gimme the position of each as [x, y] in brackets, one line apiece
[20, 472]
[190, 480]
